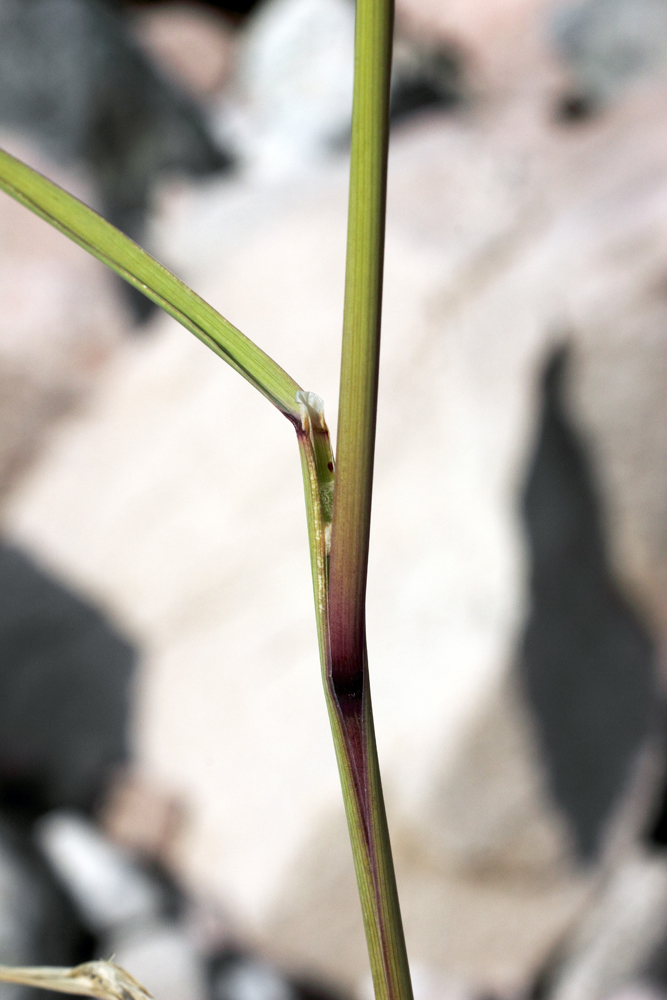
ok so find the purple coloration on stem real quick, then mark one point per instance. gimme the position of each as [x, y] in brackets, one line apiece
[349, 700]
[347, 598]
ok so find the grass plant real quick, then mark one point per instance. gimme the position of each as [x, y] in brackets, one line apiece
[338, 501]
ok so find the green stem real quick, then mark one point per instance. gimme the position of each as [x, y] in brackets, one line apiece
[361, 327]
[347, 681]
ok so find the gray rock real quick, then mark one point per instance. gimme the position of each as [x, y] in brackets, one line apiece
[38, 924]
[72, 79]
[65, 677]
[609, 44]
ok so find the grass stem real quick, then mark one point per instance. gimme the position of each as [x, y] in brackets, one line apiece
[347, 680]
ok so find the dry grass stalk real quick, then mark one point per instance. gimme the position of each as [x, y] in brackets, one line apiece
[104, 980]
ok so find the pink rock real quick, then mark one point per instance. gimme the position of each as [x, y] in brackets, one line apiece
[190, 43]
[60, 319]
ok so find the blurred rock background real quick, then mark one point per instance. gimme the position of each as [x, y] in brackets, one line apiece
[154, 567]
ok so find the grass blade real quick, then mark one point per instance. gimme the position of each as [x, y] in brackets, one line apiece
[85, 227]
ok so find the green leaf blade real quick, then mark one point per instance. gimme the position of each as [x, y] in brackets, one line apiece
[99, 238]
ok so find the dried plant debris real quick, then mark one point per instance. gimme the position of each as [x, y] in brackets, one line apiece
[104, 980]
